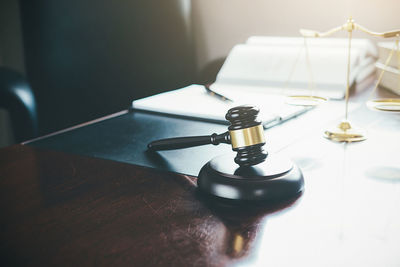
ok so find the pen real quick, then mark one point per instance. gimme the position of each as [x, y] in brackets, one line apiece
[279, 119]
[213, 93]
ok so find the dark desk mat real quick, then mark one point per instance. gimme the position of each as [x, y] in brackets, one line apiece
[125, 138]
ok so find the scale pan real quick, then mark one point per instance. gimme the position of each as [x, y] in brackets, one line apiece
[305, 100]
[384, 104]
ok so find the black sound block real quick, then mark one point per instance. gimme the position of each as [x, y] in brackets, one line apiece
[276, 178]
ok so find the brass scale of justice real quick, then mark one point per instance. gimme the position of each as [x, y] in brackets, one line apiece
[345, 132]
[254, 175]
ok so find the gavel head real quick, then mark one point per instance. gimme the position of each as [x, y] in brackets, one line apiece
[247, 135]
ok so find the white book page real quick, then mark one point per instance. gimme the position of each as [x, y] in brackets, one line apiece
[279, 92]
[194, 102]
[274, 66]
[365, 45]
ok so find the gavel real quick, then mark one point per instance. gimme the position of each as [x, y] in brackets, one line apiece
[259, 177]
[245, 134]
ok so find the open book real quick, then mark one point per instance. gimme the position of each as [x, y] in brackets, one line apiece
[263, 71]
[279, 65]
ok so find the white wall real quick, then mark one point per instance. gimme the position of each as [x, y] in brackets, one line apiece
[220, 24]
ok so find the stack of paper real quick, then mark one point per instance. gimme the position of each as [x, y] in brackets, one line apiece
[391, 77]
[195, 102]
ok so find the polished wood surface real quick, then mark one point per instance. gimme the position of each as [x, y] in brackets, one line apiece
[63, 209]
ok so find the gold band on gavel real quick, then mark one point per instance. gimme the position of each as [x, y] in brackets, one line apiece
[247, 137]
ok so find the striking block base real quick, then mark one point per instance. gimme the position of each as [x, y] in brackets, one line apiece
[274, 179]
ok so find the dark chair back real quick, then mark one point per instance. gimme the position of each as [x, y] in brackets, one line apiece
[89, 58]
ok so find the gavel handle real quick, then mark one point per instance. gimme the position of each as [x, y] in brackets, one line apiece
[183, 142]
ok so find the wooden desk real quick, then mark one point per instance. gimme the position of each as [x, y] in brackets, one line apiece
[58, 208]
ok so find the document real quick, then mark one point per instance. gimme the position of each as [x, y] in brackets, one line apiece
[195, 102]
